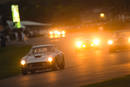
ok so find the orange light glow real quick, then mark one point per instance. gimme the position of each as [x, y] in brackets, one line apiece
[84, 46]
[96, 41]
[79, 44]
[57, 34]
[110, 42]
[51, 36]
[102, 15]
[50, 32]
[23, 62]
[50, 59]
[92, 45]
[63, 35]
[63, 32]
[129, 40]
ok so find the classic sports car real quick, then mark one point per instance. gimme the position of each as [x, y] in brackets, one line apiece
[85, 44]
[119, 44]
[42, 57]
[120, 41]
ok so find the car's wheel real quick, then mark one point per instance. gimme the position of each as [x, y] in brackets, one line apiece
[62, 65]
[24, 72]
[55, 66]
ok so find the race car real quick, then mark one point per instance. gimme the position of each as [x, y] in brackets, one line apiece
[85, 44]
[42, 57]
[55, 34]
[119, 44]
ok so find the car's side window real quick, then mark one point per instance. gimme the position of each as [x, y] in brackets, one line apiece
[30, 53]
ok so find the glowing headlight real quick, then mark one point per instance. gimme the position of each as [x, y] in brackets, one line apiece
[56, 32]
[84, 46]
[23, 62]
[63, 35]
[96, 41]
[63, 32]
[51, 36]
[50, 32]
[50, 59]
[110, 42]
[92, 45]
[79, 44]
[129, 40]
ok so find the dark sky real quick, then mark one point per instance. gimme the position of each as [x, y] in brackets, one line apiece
[63, 9]
[3, 1]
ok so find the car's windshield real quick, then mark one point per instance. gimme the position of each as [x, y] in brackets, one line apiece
[44, 49]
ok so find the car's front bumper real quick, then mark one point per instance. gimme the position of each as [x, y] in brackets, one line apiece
[37, 66]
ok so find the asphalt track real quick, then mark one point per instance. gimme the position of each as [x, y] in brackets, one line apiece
[82, 68]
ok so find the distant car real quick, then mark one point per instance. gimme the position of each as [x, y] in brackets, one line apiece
[55, 34]
[85, 44]
[118, 44]
[42, 57]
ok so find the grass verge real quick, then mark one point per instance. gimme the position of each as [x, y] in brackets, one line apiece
[118, 82]
[10, 60]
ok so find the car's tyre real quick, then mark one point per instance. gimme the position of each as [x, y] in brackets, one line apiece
[24, 72]
[62, 65]
[55, 66]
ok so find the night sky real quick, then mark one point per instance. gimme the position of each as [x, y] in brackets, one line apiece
[64, 10]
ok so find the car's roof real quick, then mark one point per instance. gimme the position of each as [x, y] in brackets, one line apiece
[45, 45]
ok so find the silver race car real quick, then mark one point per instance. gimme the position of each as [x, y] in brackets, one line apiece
[42, 57]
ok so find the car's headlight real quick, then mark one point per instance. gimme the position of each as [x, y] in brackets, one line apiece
[129, 40]
[84, 46]
[79, 44]
[63, 32]
[92, 44]
[110, 42]
[50, 32]
[23, 62]
[50, 59]
[96, 41]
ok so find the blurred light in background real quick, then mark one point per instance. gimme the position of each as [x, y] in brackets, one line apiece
[102, 15]
[110, 42]
[84, 46]
[92, 44]
[51, 32]
[79, 44]
[96, 41]
[129, 40]
[57, 34]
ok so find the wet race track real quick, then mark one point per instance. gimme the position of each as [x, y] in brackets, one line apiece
[81, 68]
